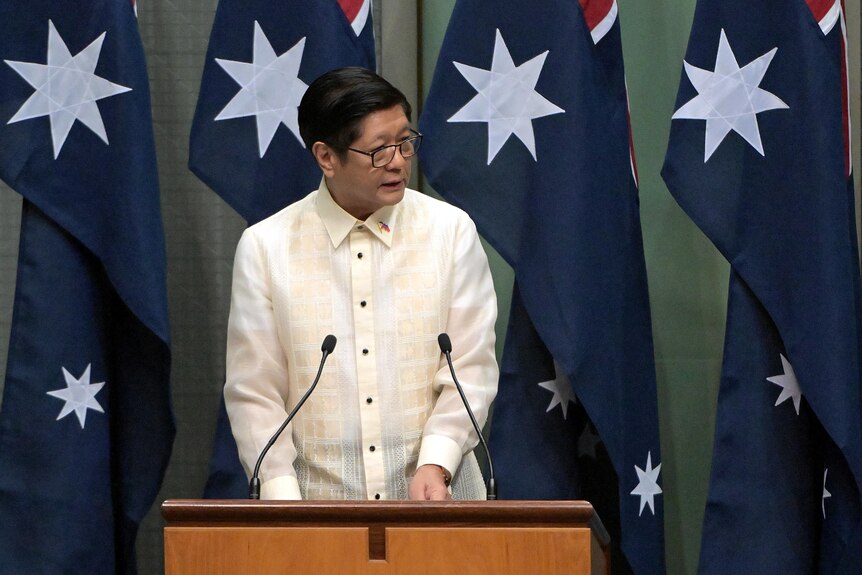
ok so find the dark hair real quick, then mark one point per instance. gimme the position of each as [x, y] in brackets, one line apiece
[336, 103]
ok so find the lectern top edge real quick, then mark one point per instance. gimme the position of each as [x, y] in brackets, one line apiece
[188, 512]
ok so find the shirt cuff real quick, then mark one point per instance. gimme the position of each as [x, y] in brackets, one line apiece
[284, 487]
[440, 450]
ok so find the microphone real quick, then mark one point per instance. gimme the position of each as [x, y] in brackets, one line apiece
[254, 485]
[446, 347]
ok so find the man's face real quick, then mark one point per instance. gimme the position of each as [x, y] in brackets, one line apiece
[357, 186]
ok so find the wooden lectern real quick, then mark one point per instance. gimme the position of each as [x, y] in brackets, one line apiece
[240, 537]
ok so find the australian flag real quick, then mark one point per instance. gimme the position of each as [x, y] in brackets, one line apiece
[527, 129]
[262, 55]
[86, 428]
[759, 158]
[245, 142]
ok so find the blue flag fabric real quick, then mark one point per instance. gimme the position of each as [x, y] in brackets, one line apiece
[527, 129]
[262, 55]
[86, 426]
[759, 158]
[245, 142]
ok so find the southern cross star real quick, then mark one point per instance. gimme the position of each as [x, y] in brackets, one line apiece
[270, 89]
[729, 98]
[647, 487]
[67, 89]
[506, 98]
[562, 390]
[79, 395]
[789, 385]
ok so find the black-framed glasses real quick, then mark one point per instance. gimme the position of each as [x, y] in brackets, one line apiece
[385, 154]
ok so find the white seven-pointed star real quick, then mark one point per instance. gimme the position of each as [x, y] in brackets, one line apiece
[729, 98]
[67, 89]
[506, 98]
[825, 493]
[788, 384]
[647, 487]
[270, 89]
[79, 395]
[562, 390]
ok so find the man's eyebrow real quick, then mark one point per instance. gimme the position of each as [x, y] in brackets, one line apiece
[405, 133]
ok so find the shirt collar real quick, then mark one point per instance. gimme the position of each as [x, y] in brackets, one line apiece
[339, 223]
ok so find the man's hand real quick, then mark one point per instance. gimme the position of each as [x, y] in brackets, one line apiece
[429, 484]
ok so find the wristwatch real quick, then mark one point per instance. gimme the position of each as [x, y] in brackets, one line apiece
[447, 477]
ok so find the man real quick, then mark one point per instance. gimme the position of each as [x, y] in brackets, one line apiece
[385, 269]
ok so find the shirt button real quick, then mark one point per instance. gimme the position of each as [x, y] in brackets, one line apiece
[359, 255]
[368, 400]
[363, 303]
[376, 496]
[360, 227]
[364, 352]
[372, 448]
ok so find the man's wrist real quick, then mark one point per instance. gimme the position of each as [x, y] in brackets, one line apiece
[447, 477]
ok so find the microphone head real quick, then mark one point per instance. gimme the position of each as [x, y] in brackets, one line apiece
[445, 343]
[328, 344]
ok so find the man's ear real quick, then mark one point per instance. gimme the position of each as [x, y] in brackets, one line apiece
[325, 157]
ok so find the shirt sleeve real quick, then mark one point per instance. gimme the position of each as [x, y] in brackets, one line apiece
[256, 383]
[448, 433]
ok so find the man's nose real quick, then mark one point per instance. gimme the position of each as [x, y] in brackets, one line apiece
[398, 161]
